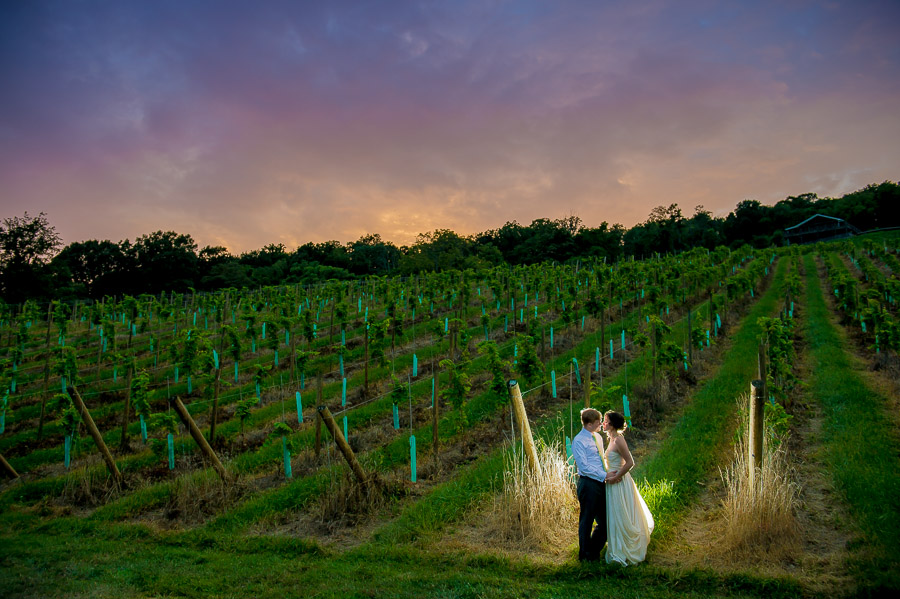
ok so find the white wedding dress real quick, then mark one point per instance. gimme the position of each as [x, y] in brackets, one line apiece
[628, 521]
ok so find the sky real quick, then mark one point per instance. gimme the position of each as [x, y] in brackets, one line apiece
[250, 123]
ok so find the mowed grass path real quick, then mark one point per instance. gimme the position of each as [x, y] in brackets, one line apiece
[862, 449]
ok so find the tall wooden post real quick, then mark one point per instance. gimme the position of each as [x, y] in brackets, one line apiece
[293, 356]
[123, 443]
[40, 434]
[331, 326]
[690, 342]
[5, 467]
[199, 438]
[756, 428]
[602, 329]
[434, 415]
[366, 362]
[49, 321]
[317, 447]
[587, 384]
[95, 434]
[453, 329]
[99, 356]
[524, 428]
[326, 417]
[215, 410]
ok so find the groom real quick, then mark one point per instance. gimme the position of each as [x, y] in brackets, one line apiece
[587, 447]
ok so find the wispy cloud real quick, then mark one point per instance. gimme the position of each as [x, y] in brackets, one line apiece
[284, 123]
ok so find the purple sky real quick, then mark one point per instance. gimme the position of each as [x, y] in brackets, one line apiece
[248, 123]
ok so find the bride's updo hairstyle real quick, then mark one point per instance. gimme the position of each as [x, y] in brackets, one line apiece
[617, 420]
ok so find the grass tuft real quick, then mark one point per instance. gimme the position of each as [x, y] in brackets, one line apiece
[203, 494]
[537, 508]
[346, 502]
[760, 518]
[662, 500]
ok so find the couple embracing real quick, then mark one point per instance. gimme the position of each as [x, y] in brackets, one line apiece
[607, 493]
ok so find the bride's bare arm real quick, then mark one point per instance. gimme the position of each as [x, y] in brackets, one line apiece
[621, 447]
[627, 460]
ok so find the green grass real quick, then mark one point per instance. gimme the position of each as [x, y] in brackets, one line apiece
[696, 443]
[128, 561]
[861, 440]
[446, 504]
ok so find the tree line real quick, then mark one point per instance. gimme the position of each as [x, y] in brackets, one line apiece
[34, 264]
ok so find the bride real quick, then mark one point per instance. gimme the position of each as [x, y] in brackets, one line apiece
[628, 521]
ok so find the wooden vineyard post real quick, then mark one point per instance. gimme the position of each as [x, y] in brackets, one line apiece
[99, 356]
[199, 438]
[4, 465]
[95, 434]
[756, 428]
[123, 443]
[587, 383]
[320, 385]
[434, 416]
[454, 330]
[326, 417]
[215, 410]
[293, 357]
[524, 428]
[690, 342]
[49, 320]
[366, 366]
[331, 326]
[318, 445]
[44, 397]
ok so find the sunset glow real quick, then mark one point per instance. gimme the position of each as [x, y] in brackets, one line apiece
[244, 124]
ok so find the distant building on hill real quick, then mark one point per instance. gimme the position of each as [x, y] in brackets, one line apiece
[819, 228]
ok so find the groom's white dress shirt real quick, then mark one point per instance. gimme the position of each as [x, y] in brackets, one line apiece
[587, 456]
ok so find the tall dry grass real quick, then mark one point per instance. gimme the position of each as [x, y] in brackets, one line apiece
[760, 518]
[199, 495]
[89, 486]
[538, 509]
[345, 502]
